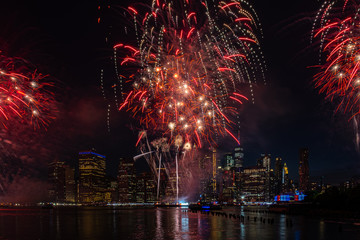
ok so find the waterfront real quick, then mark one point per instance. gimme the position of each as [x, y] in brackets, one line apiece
[164, 223]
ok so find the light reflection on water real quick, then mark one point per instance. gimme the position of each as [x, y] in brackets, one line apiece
[282, 227]
[164, 223]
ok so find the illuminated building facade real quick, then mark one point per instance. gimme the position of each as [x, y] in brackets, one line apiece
[304, 169]
[239, 157]
[140, 189]
[150, 189]
[126, 180]
[92, 181]
[215, 171]
[254, 184]
[112, 190]
[265, 161]
[229, 161]
[285, 179]
[145, 188]
[207, 174]
[229, 191]
[170, 190]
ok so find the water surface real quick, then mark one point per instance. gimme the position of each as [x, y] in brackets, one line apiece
[164, 223]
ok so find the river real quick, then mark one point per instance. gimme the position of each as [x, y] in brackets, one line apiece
[165, 223]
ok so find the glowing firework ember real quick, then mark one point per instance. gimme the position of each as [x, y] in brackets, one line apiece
[337, 25]
[24, 94]
[187, 69]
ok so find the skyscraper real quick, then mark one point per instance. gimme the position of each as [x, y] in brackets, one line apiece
[285, 179]
[112, 191]
[170, 191]
[215, 172]
[56, 179]
[70, 185]
[304, 169]
[265, 161]
[140, 188]
[161, 183]
[92, 181]
[228, 161]
[278, 175]
[150, 189]
[61, 178]
[239, 161]
[239, 157]
[206, 164]
[126, 180]
[254, 184]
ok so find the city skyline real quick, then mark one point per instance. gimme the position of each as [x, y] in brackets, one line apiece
[232, 183]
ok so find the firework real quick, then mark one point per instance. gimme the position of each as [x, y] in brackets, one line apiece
[184, 79]
[25, 95]
[187, 69]
[337, 26]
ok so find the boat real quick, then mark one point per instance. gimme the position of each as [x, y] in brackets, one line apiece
[204, 206]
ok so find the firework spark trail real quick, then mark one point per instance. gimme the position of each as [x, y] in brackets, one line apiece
[183, 80]
[158, 180]
[188, 66]
[177, 177]
[337, 26]
[141, 155]
[25, 94]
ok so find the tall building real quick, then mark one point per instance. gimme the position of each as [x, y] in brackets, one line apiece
[278, 175]
[285, 179]
[112, 190]
[254, 184]
[205, 164]
[92, 180]
[273, 185]
[126, 180]
[150, 189]
[163, 179]
[229, 161]
[56, 179]
[215, 171]
[61, 178]
[145, 188]
[171, 187]
[239, 157]
[229, 191]
[265, 161]
[304, 169]
[239, 161]
[70, 185]
[140, 189]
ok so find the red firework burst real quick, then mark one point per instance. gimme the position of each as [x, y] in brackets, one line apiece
[338, 28]
[186, 71]
[25, 94]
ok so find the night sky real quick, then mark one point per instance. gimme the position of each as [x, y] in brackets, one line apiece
[64, 40]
